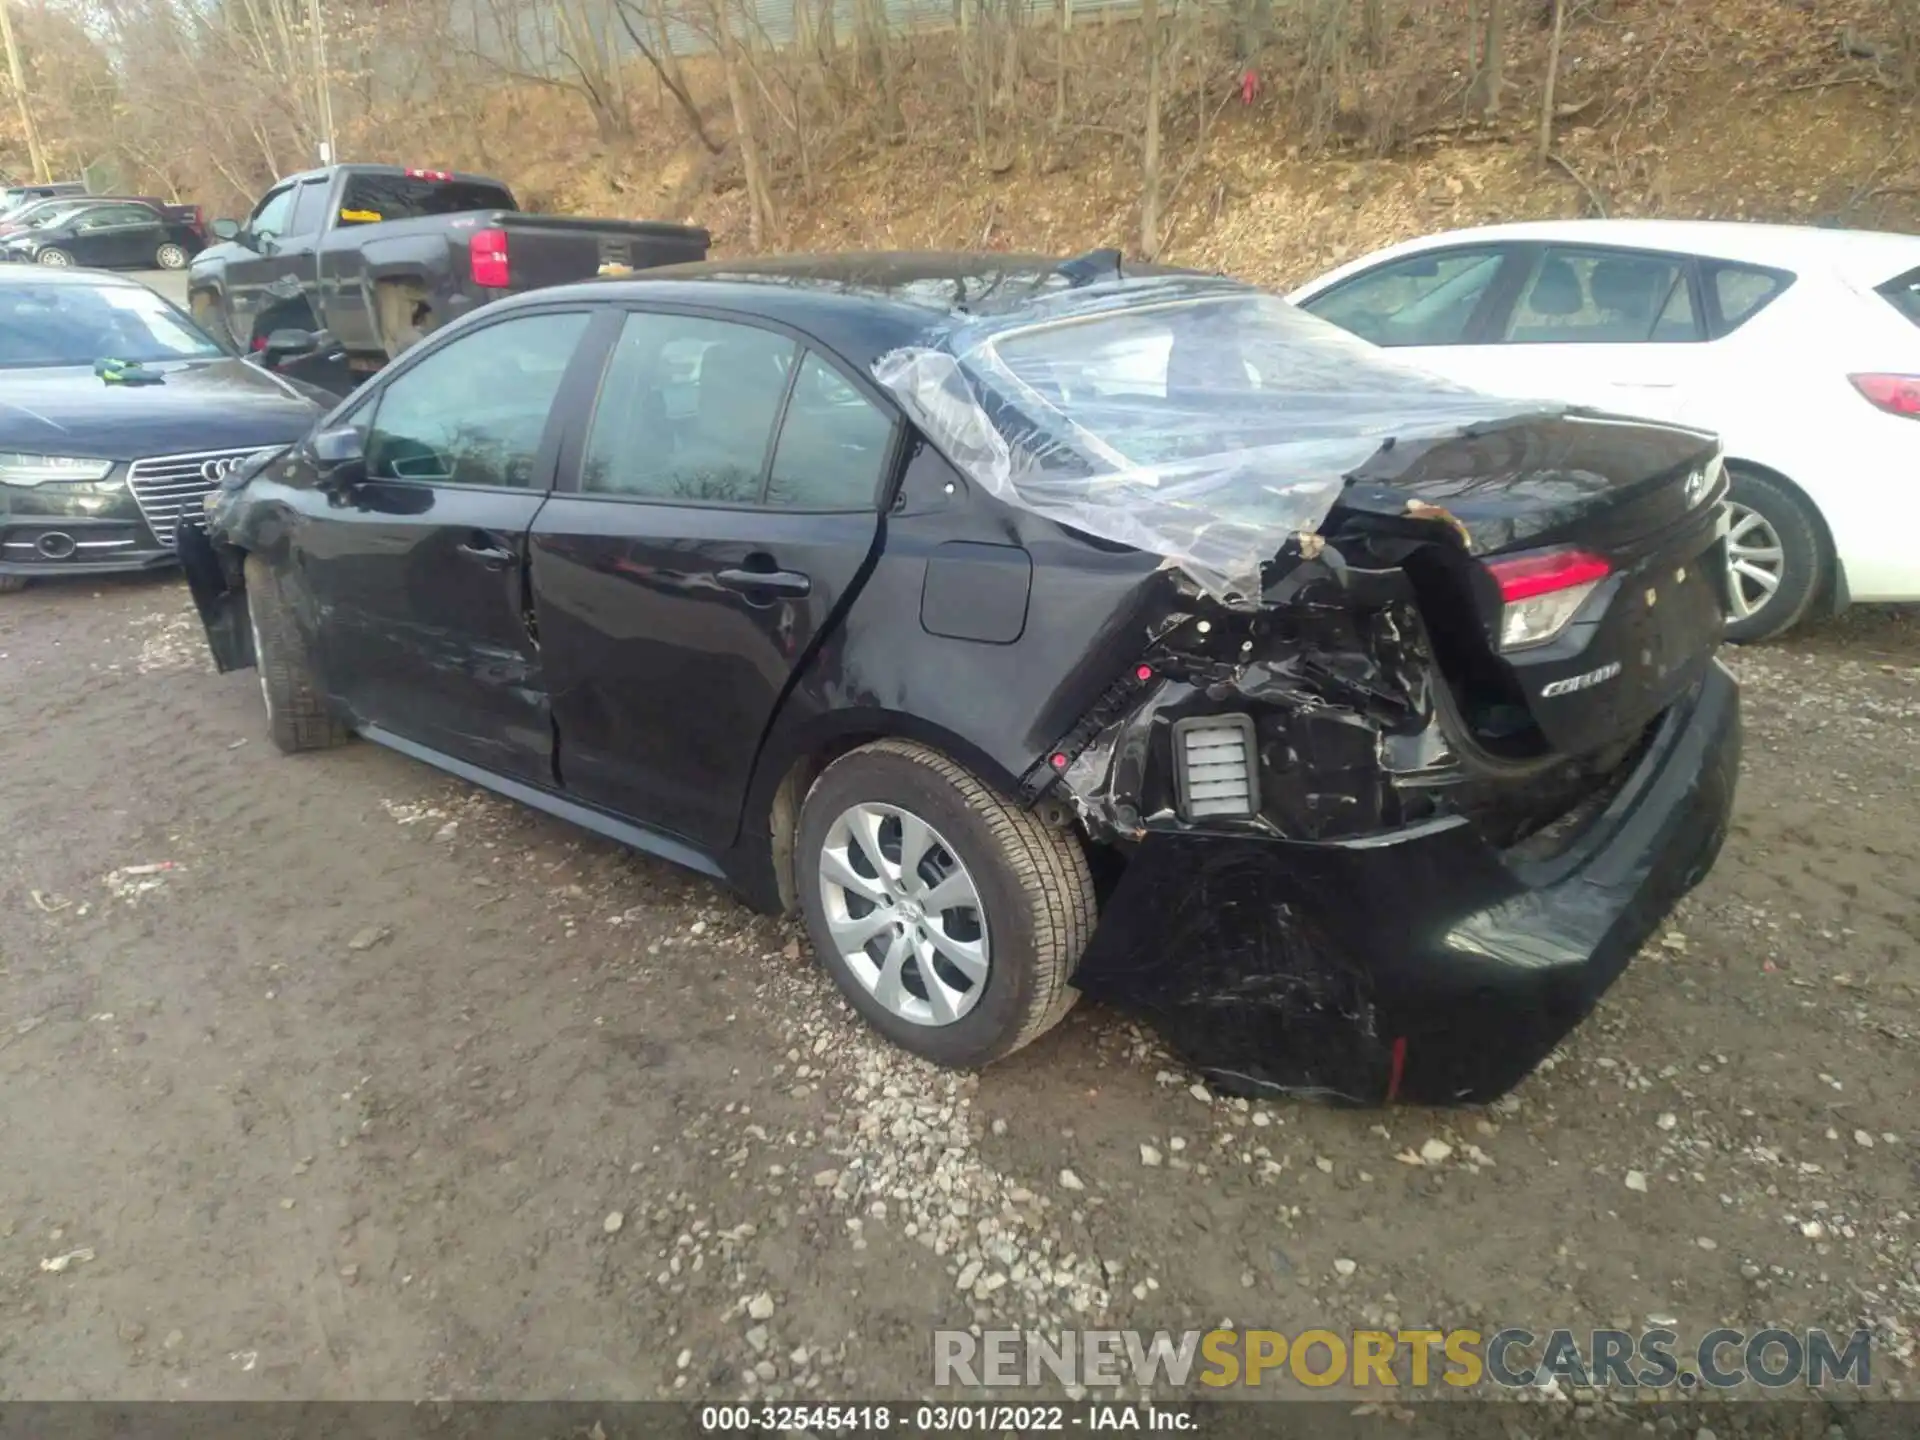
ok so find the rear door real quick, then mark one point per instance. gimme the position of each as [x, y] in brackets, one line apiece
[1620, 330]
[417, 572]
[723, 511]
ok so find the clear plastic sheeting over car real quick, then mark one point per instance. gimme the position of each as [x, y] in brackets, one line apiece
[1208, 426]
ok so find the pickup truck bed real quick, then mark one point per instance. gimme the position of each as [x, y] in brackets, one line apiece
[324, 251]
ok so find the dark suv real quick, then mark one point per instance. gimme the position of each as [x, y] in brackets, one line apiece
[1034, 629]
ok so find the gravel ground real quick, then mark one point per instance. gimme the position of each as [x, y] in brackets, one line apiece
[381, 1087]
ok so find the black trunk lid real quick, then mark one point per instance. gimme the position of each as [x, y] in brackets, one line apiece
[1644, 498]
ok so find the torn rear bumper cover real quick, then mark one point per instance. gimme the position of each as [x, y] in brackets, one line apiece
[1421, 965]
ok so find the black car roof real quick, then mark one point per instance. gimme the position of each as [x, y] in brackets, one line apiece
[866, 303]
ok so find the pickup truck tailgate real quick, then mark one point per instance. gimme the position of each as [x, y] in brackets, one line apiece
[560, 249]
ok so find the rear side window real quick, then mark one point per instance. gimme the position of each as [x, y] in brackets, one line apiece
[1421, 300]
[686, 411]
[1600, 297]
[1741, 291]
[370, 199]
[1903, 293]
[833, 444]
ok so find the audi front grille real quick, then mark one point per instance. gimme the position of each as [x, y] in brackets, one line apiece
[168, 486]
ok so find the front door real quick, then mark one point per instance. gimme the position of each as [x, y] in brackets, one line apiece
[416, 573]
[722, 514]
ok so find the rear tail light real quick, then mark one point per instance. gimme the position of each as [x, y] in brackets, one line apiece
[1542, 592]
[1895, 394]
[488, 254]
[1216, 766]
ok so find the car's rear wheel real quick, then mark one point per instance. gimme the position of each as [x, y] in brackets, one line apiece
[950, 918]
[12, 584]
[1776, 560]
[171, 257]
[298, 717]
[53, 255]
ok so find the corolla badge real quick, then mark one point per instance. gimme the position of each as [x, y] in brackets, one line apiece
[1580, 682]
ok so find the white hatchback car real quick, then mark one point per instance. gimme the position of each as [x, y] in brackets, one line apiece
[1801, 347]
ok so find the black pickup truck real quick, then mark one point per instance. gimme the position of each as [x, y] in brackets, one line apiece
[377, 256]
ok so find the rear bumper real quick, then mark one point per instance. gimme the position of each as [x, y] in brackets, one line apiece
[1419, 966]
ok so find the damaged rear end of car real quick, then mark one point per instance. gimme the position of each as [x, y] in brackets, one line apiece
[1424, 734]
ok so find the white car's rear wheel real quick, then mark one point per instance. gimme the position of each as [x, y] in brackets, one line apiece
[1776, 559]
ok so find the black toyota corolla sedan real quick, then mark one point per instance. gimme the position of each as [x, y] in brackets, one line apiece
[116, 412]
[1034, 629]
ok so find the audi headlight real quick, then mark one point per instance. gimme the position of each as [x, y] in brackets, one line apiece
[18, 469]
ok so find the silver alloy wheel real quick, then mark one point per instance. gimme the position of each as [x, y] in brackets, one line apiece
[56, 258]
[260, 662]
[1756, 563]
[171, 257]
[904, 913]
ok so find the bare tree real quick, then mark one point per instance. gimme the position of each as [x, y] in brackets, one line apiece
[648, 31]
[1151, 36]
[17, 73]
[1553, 77]
[1490, 66]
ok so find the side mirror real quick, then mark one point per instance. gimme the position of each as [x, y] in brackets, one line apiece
[341, 456]
[225, 229]
[284, 345]
[339, 447]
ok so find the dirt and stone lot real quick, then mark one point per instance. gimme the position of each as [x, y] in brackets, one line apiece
[331, 1077]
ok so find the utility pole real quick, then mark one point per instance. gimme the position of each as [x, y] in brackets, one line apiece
[322, 84]
[34, 153]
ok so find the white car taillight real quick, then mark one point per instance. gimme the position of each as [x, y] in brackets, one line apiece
[1895, 394]
[1542, 592]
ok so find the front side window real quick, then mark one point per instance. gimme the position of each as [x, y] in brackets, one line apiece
[1420, 300]
[687, 411]
[474, 411]
[270, 219]
[1597, 297]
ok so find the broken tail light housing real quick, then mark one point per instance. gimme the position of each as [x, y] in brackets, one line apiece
[1542, 592]
[1895, 394]
[487, 253]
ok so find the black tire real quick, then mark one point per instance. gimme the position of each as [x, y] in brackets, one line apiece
[53, 255]
[1035, 892]
[298, 716]
[13, 584]
[1804, 566]
[171, 256]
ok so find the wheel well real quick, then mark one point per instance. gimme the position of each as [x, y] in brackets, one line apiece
[783, 810]
[290, 315]
[1832, 594]
[783, 814]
